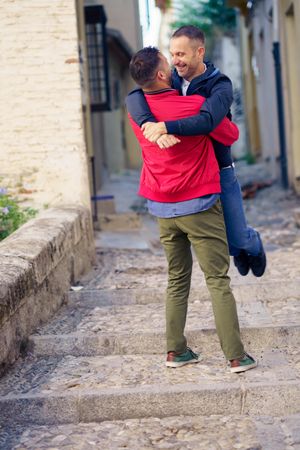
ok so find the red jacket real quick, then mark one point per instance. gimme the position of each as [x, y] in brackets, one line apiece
[189, 169]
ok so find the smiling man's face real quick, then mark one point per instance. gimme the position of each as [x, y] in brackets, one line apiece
[187, 56]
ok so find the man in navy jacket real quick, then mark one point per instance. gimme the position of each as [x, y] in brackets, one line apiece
[192, 76]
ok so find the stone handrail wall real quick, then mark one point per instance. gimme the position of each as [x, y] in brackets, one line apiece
[37, 264]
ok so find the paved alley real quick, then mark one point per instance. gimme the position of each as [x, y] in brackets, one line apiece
[94, 376]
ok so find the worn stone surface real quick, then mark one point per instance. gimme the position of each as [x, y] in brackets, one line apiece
[109, 239]
[99, 325]
[69, 374]
[101, 359]
[136, 269]
[116, 387]
[127, 318]
[117, 222]
[101, 344]
[37, 263]
[226, 432]
[197, 433]
[244, 293]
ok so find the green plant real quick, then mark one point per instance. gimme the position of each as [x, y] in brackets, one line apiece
[249, 158]
[12, 216]
[206, 14]
[212, 16]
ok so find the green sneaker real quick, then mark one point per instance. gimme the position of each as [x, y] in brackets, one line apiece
[242, 364]
[175, 359]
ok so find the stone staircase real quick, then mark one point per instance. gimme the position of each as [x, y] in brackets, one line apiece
[94, 377]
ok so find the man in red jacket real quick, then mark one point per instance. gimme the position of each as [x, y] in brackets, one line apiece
[182, 186]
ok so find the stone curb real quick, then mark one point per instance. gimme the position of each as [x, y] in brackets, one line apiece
[102, 344]
[278, 398]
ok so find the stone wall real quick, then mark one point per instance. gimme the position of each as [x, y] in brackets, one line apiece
[37, 264]
[42, 138]
[227, 58]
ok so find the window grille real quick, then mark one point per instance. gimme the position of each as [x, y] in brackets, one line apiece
[97, 56]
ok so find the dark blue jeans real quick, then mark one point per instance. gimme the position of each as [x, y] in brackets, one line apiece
[239, 234]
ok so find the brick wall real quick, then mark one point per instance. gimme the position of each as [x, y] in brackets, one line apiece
[41, 129]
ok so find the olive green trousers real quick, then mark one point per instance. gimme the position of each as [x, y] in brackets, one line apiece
[205, 231]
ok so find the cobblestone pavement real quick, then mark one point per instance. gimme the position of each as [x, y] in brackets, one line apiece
[177, 433]
[94, 376]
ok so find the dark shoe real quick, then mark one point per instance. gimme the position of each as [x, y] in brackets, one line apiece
[242, 364]
[181, 359]
[242, 263]
[258, 263]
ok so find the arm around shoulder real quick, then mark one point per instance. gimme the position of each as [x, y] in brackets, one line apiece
[138, 108]
[218, 104]
[213, 110]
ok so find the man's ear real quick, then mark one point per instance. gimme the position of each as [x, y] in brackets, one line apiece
[161, 75]
[201, 51]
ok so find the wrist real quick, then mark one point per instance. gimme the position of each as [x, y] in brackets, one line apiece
[172, 127]
[163, 128]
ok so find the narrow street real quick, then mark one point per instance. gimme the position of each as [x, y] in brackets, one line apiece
[94, 377]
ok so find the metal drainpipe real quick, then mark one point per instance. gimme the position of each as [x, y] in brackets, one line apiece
[279, 95]
[95, 215]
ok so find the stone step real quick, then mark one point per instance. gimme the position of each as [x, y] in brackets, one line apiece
[88, 317]
[247, 292]
[145, 343]
[190, 433]
[83, 328]
[72, 390]
[141, 269]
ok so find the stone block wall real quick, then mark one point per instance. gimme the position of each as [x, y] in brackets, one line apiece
[37, 264]
[42, 145]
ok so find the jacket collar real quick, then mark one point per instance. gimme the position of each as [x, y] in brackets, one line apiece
[211, 71]
[160, 91]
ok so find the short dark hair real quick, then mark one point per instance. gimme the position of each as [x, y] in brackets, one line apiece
[143, 66]
[191, 32]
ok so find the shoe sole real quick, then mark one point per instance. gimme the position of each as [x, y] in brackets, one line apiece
[174, 365]
[243, 368]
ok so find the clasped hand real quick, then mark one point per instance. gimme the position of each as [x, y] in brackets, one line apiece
[157, 133]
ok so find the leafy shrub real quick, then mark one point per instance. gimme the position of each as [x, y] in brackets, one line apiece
[12, 216]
